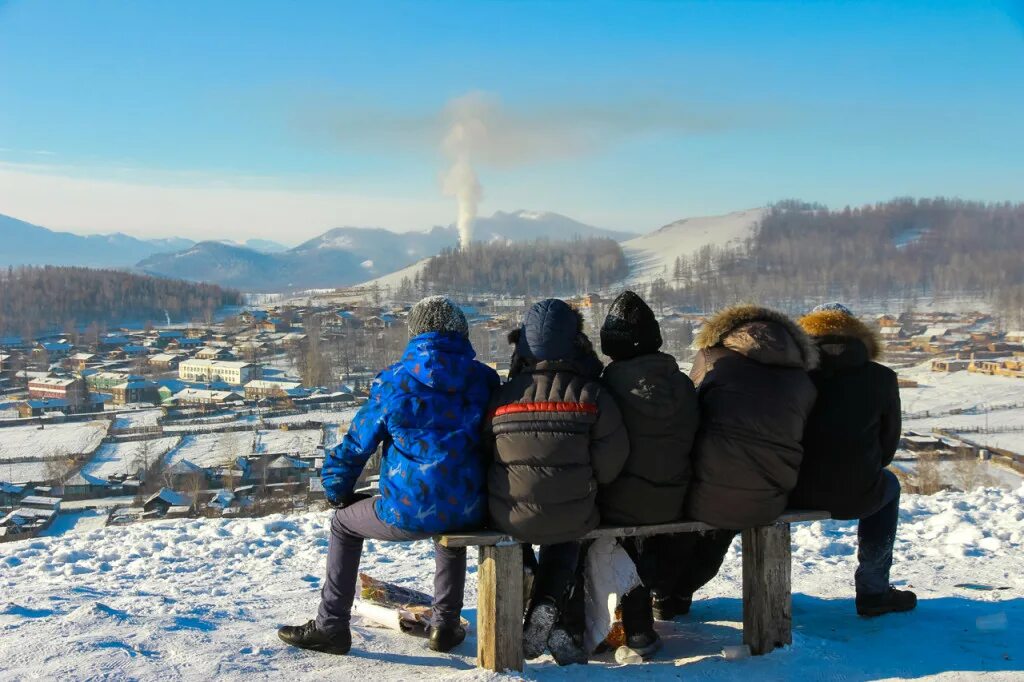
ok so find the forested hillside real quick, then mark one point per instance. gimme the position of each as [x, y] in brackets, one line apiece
[905, 248]
[34, 299]
[539, 268]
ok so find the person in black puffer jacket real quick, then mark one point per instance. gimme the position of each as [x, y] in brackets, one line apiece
[556, 435]
[851, 437]
[659, 407]
[755, 395]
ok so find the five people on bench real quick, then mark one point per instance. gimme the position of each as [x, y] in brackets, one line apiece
[774, 414]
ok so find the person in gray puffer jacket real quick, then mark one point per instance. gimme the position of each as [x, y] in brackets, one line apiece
[556, 436]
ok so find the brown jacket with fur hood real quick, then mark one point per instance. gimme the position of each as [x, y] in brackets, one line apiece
[755, 395]
[854, 429]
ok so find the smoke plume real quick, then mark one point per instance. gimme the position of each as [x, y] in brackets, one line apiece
[477, 130]
[467, 133]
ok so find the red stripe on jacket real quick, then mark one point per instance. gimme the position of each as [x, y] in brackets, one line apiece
[547, 406]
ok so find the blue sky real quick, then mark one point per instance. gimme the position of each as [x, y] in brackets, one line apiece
[280, 120]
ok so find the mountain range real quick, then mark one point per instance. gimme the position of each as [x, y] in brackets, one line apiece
[23, 243]
[339, 257]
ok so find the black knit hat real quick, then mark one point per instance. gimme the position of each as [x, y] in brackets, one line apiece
[630, 328]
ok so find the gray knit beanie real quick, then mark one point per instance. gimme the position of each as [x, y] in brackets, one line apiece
[834, 305]
[437, 314]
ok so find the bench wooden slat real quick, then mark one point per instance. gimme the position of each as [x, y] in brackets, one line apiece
[488, 538]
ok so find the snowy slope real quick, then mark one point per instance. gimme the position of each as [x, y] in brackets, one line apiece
[22, 442]
[200, 599]
[393, 280]
[210, 450]
[654, 254]
[113, 459]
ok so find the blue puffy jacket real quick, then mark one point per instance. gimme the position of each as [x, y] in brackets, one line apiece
[428, 410]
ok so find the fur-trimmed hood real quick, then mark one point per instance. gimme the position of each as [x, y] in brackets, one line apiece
[760, 333]
[824, 324]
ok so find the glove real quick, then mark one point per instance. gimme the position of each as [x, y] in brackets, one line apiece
[348, 500]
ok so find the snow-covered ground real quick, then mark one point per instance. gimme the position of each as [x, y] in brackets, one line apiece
[216, 449]
[940, 392]
[964, 474]
[76, 521]
[23, 442]
[981, 402]
[201, 599]
[24, 472]
[137, 418]
[299, 441]
[212, 449]
[125, 458]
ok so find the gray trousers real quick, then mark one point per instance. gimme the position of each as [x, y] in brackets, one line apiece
[349, 527]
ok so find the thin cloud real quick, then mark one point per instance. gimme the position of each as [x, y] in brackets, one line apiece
[514, 135]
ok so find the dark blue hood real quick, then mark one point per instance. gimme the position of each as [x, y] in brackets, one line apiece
[552, 332]
[549, 331]
[439, 360]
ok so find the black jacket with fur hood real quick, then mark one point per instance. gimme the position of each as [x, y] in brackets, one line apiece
[755, 396]
[854, 429]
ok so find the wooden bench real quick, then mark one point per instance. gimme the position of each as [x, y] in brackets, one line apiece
[767, 598]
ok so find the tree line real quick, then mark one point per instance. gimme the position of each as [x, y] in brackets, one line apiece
[902, 249]
[541, 267]
[39, 299]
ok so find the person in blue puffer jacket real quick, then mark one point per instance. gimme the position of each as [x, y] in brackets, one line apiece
[428, 412]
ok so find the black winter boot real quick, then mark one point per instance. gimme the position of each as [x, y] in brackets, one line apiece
[566, 647]
[446, 638]
[308, 636]
[539, 621]
[639, 647]
[668, 608]
[888, 602]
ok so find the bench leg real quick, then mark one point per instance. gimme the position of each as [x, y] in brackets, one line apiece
[500, 608]
[767, 598]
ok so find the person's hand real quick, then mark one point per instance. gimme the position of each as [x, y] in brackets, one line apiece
[348, 500]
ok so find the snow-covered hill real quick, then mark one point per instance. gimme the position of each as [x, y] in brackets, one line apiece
[201, 599]
[654, 254]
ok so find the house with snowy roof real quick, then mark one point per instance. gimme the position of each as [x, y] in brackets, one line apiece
[165, 361]
[164, 499]
[70, 389]
[55, 350]
[136, 391]
[41, 502]
[11, 493]
[26, 521]
[79, 361]
[214, 353]
[201, 396]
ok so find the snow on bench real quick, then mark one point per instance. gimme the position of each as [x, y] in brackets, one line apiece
[767, 594]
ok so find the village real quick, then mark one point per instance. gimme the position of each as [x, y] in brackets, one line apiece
[103, 428]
